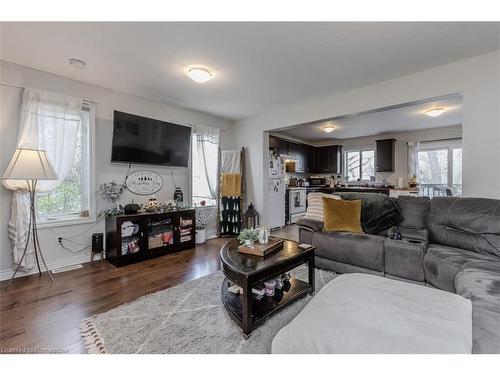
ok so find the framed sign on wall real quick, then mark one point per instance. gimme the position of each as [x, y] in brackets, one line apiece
[144, 182]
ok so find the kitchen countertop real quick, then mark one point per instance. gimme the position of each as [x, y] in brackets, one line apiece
[340, 188]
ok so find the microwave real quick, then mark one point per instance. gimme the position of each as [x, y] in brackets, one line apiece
[317, 181]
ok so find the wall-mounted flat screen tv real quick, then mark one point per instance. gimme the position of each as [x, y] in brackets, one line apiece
[142, 140]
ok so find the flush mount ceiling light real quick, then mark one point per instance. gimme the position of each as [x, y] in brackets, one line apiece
[77, 63]
[200, 75]
[328, 129]
[435, 112]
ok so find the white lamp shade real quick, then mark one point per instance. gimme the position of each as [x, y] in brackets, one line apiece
[27, 164]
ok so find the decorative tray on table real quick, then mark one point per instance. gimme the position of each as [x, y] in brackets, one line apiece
[262, 249]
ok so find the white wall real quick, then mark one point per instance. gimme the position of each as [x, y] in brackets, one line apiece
[108, 100]
[476, 79]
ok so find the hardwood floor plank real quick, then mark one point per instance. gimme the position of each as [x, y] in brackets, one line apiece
[37, 314]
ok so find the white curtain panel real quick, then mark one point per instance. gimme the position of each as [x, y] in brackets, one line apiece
[413, 159]
[207, 145]
[50, 122]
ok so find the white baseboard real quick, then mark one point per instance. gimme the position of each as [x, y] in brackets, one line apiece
[68, 261]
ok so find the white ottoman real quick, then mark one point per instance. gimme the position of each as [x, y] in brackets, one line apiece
[359, 313]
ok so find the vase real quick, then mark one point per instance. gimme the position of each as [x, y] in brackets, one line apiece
[263, 234]
[112, 204]
[248, 243]
[201, 236]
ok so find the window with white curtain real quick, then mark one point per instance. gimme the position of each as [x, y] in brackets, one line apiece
[205, 159]
[72, 199]
[440, 167]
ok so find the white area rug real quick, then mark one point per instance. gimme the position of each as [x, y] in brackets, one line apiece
[187, 318]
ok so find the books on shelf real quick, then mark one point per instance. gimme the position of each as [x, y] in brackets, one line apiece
[186, 238]
[129, 229]
[155, 241]
[185, 231]
[186, 222]
[160, 239]
[130, 247]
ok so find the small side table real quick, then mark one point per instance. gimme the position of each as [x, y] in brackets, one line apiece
[248, 271]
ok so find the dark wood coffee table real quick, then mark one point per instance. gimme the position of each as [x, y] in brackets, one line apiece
[249, 271]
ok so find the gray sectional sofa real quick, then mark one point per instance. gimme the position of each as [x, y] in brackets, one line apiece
[448, 242]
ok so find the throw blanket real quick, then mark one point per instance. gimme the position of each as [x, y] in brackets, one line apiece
[231, 161]
[231, 185]
[378, 211]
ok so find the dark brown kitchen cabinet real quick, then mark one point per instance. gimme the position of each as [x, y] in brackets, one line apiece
[309, 159]
[321, 160]
[335, 159]
[273, 142]
[298, 153]
[328, 159]
[385, 155]
[293, 150]
[280, 145]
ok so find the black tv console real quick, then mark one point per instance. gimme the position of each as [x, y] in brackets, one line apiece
[134, 238]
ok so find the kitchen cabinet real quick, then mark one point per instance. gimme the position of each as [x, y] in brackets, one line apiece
[321, 160]
[291, 150]
[301, 164]
[335, 159]
[294, 150]
[297, 151]
[385, 155]
[280, 145]
[328, 159]
[309, 159]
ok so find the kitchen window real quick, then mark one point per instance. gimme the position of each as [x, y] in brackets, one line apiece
[440, 168]
[359, 165]
[73, 200]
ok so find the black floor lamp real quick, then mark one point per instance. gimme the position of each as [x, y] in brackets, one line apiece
[31, 165]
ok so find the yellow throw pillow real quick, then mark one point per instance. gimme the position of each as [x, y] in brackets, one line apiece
[315, 205]
[342, 215]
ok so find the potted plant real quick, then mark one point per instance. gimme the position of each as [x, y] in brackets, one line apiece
[203, 217]
[248, 237]
[112, 191]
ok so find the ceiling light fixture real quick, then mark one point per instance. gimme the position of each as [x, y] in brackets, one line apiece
[328, 129]
[77, 63]
[200, 75]
[435, 112]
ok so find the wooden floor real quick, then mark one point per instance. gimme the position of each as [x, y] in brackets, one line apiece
[45, 317]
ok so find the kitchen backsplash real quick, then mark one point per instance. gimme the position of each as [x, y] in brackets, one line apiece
[392, 179]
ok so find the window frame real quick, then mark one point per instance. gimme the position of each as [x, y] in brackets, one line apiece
[191, 195]
[68, 220]
[449, 146]
[359, 150]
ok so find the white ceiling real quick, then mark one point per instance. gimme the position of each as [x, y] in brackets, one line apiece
[258, 66]
[405, 118]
